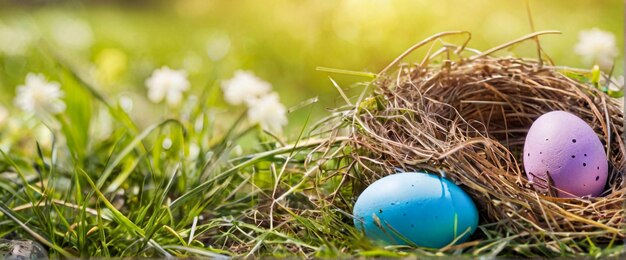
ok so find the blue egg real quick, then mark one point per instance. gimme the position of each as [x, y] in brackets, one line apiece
[417, 209]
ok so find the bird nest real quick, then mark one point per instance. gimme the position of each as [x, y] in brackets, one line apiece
[468, 118]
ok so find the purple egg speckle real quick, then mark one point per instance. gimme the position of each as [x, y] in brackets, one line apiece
[562, 160]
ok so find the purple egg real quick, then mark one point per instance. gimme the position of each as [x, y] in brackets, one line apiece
[563, 149]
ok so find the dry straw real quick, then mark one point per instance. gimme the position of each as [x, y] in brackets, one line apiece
[468, 117]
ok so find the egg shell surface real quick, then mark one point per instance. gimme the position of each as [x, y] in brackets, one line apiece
[563, 147]
[415, 208]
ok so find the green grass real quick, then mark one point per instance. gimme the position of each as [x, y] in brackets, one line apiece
[247, 193]
[127, 196]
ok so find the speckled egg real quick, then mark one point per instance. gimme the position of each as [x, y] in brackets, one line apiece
[563, 150]
[417, 209]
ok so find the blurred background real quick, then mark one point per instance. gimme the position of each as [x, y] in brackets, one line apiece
[117, 44]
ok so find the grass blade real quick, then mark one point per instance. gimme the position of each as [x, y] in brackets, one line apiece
[8, 212]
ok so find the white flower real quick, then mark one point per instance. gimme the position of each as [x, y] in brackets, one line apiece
[597, 46]
[168, 84]
[268, 112]
[73, 33]
[244, 87]
[38, 96]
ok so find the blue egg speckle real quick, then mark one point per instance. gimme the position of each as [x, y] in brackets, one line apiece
[416, 209]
